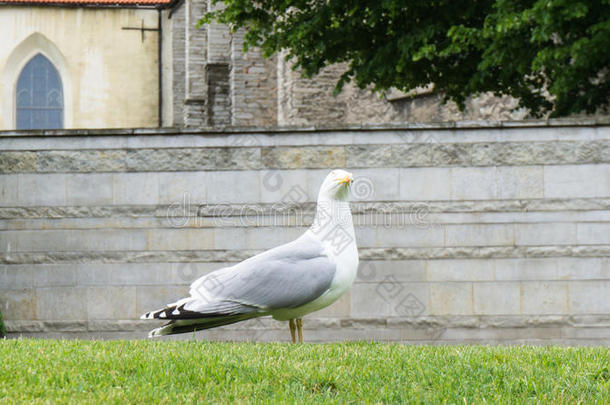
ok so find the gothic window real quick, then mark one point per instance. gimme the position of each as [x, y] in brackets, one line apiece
[40, 100]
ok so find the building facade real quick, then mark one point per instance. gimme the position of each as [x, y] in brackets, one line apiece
[145, 63]
[71, 66]
[212, 82]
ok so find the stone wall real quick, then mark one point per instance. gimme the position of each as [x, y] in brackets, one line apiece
[467, 232]
[217, 84]
[312, 102]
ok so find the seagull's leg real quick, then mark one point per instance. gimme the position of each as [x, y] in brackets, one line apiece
[300, 329]
[292, 330]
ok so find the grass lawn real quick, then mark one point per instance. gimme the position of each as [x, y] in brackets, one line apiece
[53, 371]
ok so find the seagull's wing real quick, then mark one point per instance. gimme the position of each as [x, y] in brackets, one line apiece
[287, 276]
[284, 277]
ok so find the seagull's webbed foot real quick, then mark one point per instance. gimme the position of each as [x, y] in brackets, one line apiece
[292, 330]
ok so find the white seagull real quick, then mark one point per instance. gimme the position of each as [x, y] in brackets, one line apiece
[286, 282]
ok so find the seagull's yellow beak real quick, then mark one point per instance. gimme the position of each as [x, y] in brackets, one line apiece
[346, 180]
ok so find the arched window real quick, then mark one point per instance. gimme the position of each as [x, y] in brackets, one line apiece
[40, 100]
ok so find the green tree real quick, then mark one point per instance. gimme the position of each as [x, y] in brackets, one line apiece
[553, 55]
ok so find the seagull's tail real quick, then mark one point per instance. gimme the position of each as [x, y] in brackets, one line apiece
[176, 326]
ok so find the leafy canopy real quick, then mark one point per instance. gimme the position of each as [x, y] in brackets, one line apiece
[526, 49]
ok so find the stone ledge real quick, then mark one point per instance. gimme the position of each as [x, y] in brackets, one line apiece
[357, 207]
[256, 157]
[339, 336]
[204, 256]
[448, 125]
[589, 322]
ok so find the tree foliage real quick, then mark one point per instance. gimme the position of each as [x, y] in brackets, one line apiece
[553, 55]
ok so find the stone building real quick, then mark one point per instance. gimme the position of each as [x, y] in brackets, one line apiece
[212, 82]
[79, 64]
[144, 63]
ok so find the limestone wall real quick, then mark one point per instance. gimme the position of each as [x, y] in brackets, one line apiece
[479, 232]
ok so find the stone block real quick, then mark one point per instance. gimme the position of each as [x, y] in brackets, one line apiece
[421, 184]
[89, 189]
[549, 268]
[150, 298]
[479, 235]
[451, 298]
[365, 236]
[42, 189]
[230, 238]
[16, 276]
[514, 182]
[582, 181]
[473, 183]
[412, 301]
[185, 188]
[111, 303]
[135, 188]
[402, 270]
[312, 157]
[496, 298]
[62, 303]
[267, 238]
[501, 335]
[371, 300]
[233, 187]
[410, 236]
[390, 297]
[18, 303]
[17, 162]
[601, 333]
[9, 190]
[180, 239]
[369, 155]
[460, 270]
[284, 187]
[65, 326]
[589, 297]
[545, 234]
[23, 326]
[81, 240]
[186, 272]
[340, 308]
[376, 184]
[548, 297]
[52, 275]
[123, 274]
[81, 160]
[593, 234]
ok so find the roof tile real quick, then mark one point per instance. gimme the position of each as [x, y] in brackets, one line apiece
[88, 2]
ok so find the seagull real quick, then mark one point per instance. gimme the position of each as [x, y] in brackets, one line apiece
[286, 282]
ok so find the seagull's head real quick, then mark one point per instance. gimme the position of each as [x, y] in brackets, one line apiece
[336, 186]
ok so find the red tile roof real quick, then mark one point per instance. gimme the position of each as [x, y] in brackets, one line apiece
[89, 2]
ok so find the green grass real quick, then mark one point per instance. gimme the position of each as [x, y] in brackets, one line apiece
[53, 371]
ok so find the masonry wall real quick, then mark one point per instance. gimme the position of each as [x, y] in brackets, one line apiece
[214, 83]
[486, 232]
[312, 101]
